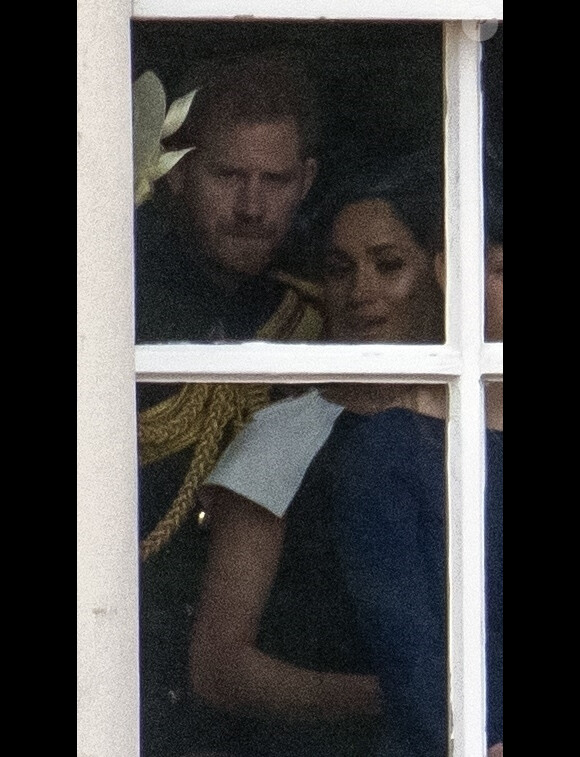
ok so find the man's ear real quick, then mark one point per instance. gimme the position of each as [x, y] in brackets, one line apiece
[440, 270]
[176, 178]
[310, 172]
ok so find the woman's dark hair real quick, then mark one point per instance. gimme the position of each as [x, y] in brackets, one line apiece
[413, 187]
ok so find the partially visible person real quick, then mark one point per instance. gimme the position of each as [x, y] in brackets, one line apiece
[276, 643]
[494, 266]
[494, 492]
[494, 292]
[214, 246]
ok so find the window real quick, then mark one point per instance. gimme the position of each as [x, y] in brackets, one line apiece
[108, 685]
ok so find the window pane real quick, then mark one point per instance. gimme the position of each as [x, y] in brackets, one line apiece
[492, 76]
[236, 240]
[310, 569]
[494, 560]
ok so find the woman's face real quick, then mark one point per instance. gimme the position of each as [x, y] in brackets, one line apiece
[494, 294]
[380, 284]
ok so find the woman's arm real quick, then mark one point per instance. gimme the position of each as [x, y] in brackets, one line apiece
[227, 668]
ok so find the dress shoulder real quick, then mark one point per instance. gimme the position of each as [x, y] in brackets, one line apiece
[268, 459]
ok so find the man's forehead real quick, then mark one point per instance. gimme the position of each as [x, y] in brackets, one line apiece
[266, 132]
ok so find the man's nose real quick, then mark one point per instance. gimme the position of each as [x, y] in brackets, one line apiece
[250, 201]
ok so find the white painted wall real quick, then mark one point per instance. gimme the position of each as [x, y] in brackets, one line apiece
[107, 688]
[107, 502]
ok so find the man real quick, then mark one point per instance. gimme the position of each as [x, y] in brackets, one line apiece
[211, 248]
[208, 248]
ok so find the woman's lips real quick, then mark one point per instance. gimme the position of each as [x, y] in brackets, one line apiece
[365, 326]
[367, 322]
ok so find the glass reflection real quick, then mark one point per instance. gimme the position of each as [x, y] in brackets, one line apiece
[236, 153]
[298, 606]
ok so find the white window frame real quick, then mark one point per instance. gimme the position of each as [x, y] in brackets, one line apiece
[109, 363]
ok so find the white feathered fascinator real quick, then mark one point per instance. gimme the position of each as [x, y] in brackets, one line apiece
[151, 125]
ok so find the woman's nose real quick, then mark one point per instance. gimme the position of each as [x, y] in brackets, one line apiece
[363, 286]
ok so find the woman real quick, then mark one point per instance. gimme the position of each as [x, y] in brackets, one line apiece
[275, 637]
[389, 494]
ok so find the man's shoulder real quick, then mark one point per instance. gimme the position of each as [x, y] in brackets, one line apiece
[299, 314]
[306, 288]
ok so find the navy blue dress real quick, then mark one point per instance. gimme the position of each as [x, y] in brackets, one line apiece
[389, 497]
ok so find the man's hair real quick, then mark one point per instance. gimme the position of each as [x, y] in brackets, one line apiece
[256, 88]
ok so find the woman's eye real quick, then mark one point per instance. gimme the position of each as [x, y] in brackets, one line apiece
[337, 267]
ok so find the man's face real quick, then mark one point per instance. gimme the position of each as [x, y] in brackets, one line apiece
[242, 189]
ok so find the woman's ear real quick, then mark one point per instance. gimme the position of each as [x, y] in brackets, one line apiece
[440, 270]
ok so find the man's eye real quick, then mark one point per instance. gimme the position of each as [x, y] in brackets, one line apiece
[221, 172]
[278, 178]
[390, 265]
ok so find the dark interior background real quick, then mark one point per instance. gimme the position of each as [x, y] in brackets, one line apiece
[380, 84]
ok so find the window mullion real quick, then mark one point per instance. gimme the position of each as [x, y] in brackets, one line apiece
[492, 360]
[466, 433]
[435, 10]
[263, 361]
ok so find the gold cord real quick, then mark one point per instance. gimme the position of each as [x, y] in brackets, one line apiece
[228, 405]
[206, 415]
